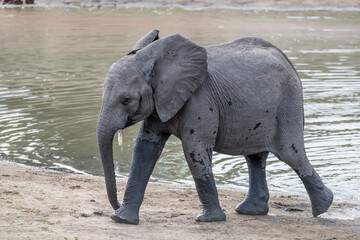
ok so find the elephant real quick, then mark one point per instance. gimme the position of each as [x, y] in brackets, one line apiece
[239, 98]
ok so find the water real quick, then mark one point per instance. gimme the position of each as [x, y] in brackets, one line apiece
[53, 62]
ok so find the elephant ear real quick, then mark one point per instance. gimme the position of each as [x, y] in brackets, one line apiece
[178, 67]
[147, 39]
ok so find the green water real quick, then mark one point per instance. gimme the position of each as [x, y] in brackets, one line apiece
[53, 62]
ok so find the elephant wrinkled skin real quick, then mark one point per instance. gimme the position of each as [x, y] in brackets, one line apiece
[239, 98]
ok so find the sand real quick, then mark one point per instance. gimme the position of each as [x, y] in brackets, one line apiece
[218, 3]
[42, 204]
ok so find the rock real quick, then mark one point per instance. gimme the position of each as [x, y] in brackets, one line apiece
[18, 2]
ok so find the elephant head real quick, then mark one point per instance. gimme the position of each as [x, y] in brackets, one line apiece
[156, 78]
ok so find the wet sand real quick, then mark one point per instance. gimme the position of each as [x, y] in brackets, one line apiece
[42, 204]
[224, 3]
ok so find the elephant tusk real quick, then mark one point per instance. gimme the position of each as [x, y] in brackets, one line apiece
[120, 138]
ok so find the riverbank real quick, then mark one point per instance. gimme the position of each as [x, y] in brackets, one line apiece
[42, 204]
[285, 4]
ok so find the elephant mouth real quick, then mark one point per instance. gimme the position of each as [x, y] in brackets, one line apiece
[129, 122]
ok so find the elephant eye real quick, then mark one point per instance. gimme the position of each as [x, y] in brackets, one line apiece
[125, 101]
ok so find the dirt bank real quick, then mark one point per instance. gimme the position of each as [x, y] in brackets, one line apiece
[41, 204]
[211, 3]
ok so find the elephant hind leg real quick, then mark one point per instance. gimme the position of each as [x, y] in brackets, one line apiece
[294, 155]
[256, 201]
[321, 196]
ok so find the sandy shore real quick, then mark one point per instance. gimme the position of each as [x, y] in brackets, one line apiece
[41, 204]
[210, 3]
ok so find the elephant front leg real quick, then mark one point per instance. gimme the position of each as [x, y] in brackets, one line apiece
[146, 153]
[199, 161]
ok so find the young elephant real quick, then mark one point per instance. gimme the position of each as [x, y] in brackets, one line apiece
[240, 98]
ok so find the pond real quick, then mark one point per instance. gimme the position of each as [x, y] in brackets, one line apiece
[53, 62]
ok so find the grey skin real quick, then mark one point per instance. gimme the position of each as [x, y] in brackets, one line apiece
[240, 98]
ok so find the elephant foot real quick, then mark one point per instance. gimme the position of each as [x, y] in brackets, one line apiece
[253, 206]
[123, 215]
[211, 216]
[321, 197]
[321, 201]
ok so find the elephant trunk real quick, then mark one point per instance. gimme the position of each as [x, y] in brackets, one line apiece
[105, 136]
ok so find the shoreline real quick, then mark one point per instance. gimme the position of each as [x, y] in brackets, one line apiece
[46, 204]
[280, 5]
